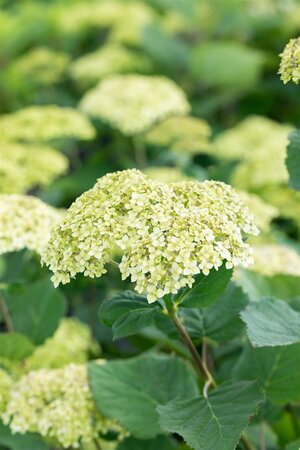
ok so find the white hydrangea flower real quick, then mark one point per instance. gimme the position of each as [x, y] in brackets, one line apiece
[110, 59]
[166, 174]
[24, 166]
[25, 222]
[285, 200]
[167, 233]
[263, 212]
[72, 342]
[260, 145]
[45, 123]
[132, 19]
[133, 103]
[125, 20]
[58, 405]
[6, 383]
[274, 259]
[41, 65]
[181, 134]
[289, 69]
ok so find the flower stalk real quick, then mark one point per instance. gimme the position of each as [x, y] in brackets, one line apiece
[198, 361]
[200, 365]
[5, 314]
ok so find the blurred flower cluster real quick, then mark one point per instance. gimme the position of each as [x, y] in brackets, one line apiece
[58, 405]
[276, 259]
[133, 103]
[71, 343]
[25, 222]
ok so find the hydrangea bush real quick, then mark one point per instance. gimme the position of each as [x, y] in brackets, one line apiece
[149, 225]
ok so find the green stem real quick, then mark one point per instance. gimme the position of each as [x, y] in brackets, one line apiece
[199, 363]
[97, 444]
[247, 444]
[140, 153]
[113, 263]
[5, 314]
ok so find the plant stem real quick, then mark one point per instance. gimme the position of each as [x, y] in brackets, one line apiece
[139, 152]
[113, 263]
[5, 314]
[262, 441]
[199, 363]
[97, 444]
[247, 444]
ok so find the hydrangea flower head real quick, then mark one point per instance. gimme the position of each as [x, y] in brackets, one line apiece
[110, 59]
[58, 405]
[42, 65]
[289, 68]
[260, 145]
[263, 212]
[24, 166]
[165, 174]
[72, 342]
[133, 103]
[6, 383]
[125, 20]
[274, 259]
[167, 233]
[45, 123]
[184, 134]
[25, 222]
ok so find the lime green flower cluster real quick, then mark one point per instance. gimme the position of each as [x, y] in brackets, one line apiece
[275, 259]
[41, 65]
[110, 59]
[45, 123]
[166, 174]
[133, 17]
[6, 383]
[181, 134]
[24, 166]
[260, 144]
[25, 222]
[263, 212]
[58, 405]
[71, 343]
[168, 233]
[133, 103]
[286, 200]
[289, 68]
[83, 16]
[124, 19]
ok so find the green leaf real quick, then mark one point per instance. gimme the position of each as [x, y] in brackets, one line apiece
[15, 346]
[256, 285]
[158, 443]
[216, 422]
[293, 160]
[276, 369]
[163, 47]
[205, 290]
[220, 321]
[214, 63]
[28, 441]
[36, 309]
[130, 390]
[127, 313]
[271, 322]
[293, 445]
